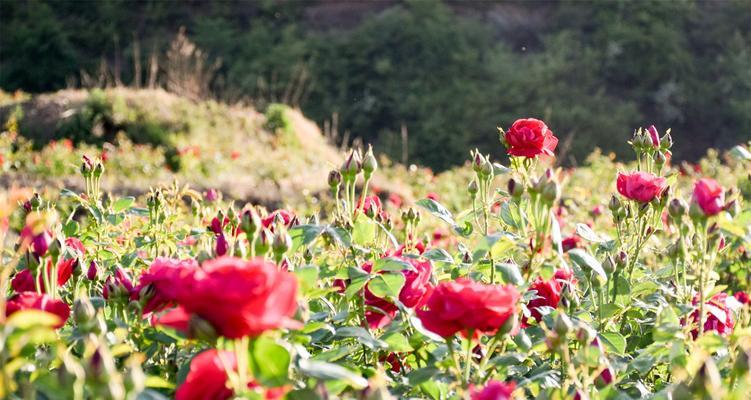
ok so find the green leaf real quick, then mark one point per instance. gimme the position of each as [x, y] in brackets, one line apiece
[584, 259]
[439, 255]
[510, 273]
[364, 231]
[70, 228]
[158, 382]
[387, 285]
[327, 371]
[308, 278]
[269, 362]
[391, 264]
[614, 342]
[438, 210]
[588, 234]
[397, 342]
[362, 335]
[123, 204]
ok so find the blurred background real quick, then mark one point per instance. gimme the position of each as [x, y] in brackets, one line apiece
[424, 81]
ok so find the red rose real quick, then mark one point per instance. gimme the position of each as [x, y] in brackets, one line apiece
[719, 317]
[493, 390]
[463, 305]
[570, 242]
[709, 195]
[207, 378]
[36, 301]
[742, 297]
[549, 292]
[241, 298]
[24, 280]
[371, 206]
[161, 282]
[176, 318]
[416, 289]
[287, 218]
[529, 138]
[607, 374]
[640, 186]
[221, 246]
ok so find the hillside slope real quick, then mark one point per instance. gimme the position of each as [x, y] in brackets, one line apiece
[152, 137]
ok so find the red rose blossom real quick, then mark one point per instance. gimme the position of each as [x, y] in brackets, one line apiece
[24, 280]
[37, 301]
[493, 390]
[416, 289]
[709, 195]
[463, 305]
[161, 282]
[530, 138]
[549, 292]
[640, 186]
[742, 297]
[718, 316]
[241, 298]
[287, 218]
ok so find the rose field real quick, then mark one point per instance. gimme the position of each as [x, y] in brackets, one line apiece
[207, 268]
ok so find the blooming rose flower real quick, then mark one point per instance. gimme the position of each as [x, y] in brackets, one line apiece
[37, 301]
[742, 297]
[709, 195]
[719, 317]
[530, 138]
[24, 280]
[549, 292]
[241, 298]
[207, 378]
[416, 289]
[161, 282]
[570, 242]
[463, 305]
[640, 186]
[493, 390]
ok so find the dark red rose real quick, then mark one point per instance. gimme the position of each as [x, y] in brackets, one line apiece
[570, 242]
[549, 292]
[221, 246]
[414, 293]
[208, 379]
[286, 217]
[176, 318]
[493, 390]
[241, 298]
[24, 280]
[160, 284]
[709, 195]
[463, 305]
[742, 297]
[530, 138]
[640, 186]
[37, 301]
[718, 316]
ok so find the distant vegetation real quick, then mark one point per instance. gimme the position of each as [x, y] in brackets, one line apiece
[441, 75]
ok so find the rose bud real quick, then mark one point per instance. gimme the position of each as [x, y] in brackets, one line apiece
[221, 246]
[369, 163]
[676, 209]
[477, 162]
[487, 168]
[654, 136]
[41, 243]
[515, 189]
[659, 159]
[351, 166]
[92, 271]
[667, 141]
[83, 311]
[562, 324]
[282, 243]
[473, 188]
[334, 179]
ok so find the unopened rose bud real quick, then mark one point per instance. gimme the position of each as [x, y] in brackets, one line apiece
[473, 188]
[263, 244]
[221, 246]
[615, 204]
[41, 243]
[35, 201]
[562, 324]
[369, 163]
[515, 189]
[477, 162]
[622, 260]
[585, 334]
[92, 271]
[487, 169]
[695, 211]
[676, 209]
[83, 311]
[608, 265]
[653, 136]
[334, 179]
[307, 255]
[98, 169]
[733, 208]
[467, 258]
[551, 192]
[282, 243]
[667, 141]
[351, 166]
[659, 159]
